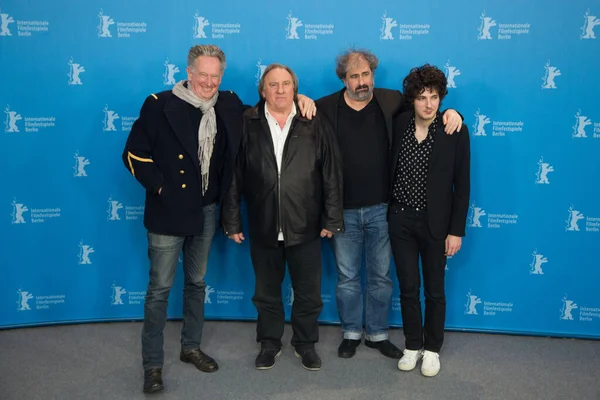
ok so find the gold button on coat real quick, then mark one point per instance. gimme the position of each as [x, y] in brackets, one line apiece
[182, 172]
[183, 186]
[181, 156]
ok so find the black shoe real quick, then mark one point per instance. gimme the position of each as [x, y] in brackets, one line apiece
[203, 362]
[348, 347]
[153, 380]
[386, 348]
[266, 358]
[309, 357]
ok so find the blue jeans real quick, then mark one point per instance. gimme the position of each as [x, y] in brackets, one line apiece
[366, 232]
[163, 251]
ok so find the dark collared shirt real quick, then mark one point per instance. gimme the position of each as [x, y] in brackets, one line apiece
[410, 182]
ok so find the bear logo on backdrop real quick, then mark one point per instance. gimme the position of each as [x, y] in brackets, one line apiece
[289, 299]
[116, 298]
[386, 28]
[471, 304]
[23, 298]
[105, 23]
[566, 311]
[484, 28]
[536, 263]
[10, 124]
[80, 164]
[109, 120]
[199, 26]
[581, 122]
[18, 210]
[549, 76]
[74, 70]
[5, 19]
[475, 214]
[541, 176]
[573, 219]
[169, 74]
[590, 22]
[451, 73]
[84, 253]
[260, 71]
[113, 209]
[293, 24]
[481, 121]
[207, 292]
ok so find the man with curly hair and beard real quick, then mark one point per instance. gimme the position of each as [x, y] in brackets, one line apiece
[430, 187]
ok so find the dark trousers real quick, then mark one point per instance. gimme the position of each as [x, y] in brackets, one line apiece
[304, 263]
[410, 238]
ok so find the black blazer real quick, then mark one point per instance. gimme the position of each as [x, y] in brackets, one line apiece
[448, 178]
[162, 151]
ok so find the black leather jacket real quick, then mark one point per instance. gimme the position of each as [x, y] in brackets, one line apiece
[307, 197]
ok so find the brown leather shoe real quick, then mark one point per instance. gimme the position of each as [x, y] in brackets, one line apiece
[203, 362]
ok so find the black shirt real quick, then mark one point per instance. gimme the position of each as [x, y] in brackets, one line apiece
[364, 144]
[410, 183]
[217, 160]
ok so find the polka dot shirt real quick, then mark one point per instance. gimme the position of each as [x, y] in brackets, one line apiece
[410, 182]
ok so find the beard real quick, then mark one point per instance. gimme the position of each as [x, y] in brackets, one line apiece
[360, 95]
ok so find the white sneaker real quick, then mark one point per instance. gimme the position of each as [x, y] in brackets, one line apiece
[409, 360]
[431, 363]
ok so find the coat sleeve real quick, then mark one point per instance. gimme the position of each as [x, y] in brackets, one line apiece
[231, 216]
[139, 149]
[462, 184]
[333, 195]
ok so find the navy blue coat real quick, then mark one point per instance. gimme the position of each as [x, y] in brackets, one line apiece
[161, 152]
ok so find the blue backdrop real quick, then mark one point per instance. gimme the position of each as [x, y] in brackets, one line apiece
[524, 75]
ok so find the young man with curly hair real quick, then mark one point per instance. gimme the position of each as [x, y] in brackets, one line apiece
[430, 187]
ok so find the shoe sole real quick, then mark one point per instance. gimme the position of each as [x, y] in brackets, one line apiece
[382, 353]
[305, 367]
[405, 368]
[346, 355]
[154, 390]
[197, 367]
[265, 368]
[428, 374]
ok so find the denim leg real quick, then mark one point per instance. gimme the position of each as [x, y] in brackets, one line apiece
[163, 251]
[348, 251]
[378, 255]
[195, 260]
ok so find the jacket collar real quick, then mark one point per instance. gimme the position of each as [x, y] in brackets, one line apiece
[258, 112]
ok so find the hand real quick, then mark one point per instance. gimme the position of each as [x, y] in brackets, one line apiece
[325, 232]
[453, 244]
[452, 121]
[308, 109]
[237, 237]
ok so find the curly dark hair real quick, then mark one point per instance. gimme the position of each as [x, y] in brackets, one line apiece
[424, 77]
[343, 61]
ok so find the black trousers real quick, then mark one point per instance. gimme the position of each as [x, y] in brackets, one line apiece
[410, 237]
[304, 263]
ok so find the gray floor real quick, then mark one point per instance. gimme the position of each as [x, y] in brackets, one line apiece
[102, 361]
